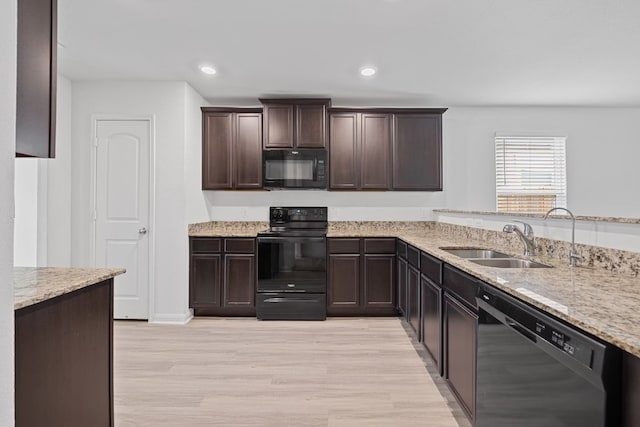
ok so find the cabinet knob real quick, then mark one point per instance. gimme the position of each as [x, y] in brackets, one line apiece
[143, 230]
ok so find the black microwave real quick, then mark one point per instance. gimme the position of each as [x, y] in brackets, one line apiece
[304, 168]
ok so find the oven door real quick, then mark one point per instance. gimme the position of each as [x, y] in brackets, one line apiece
[292, 264]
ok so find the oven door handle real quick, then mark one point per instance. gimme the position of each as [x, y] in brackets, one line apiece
[281, 299]
[291, 239]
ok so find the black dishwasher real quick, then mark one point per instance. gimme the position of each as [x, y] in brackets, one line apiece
[533, 371]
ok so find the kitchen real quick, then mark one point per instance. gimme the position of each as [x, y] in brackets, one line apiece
[595, 106]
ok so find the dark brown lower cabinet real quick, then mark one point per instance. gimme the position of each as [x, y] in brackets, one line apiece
[379, 282]
[402, 286]
[461, 333]
[343, 292]
[431, 296]
[204, 283]
[64, 360]
[239, 274]
[413, 298]
[222, 276]
[361, 277]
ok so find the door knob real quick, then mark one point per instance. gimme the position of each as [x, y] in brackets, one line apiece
[142, 231]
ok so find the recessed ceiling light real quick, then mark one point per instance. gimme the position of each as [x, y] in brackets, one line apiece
[368, 71]
[208, 69]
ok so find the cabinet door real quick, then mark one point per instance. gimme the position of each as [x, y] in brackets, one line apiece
[217, 146]
[311, 125]
[461, 326]
[343, 293]
[36, 78]
[402, 287]
[278, 126]
[431, 296]
[204, 281]
[248, 151]
[375, 152]
[417, 152]
[378, 282]
[343, 152]
[239, 281]
[413, 298]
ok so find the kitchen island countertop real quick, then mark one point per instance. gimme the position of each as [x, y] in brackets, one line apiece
[37, 284]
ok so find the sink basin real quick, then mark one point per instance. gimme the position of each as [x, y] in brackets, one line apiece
[509, 263]
[475, 253]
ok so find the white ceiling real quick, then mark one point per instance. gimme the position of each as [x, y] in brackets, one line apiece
[428, 52]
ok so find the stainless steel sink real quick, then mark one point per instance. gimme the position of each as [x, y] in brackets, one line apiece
[475, 253]
[509, 263]
[491, 258]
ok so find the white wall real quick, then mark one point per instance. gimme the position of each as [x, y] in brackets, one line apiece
[8, 15]
[165, 101]
[605, 234]
[43, 196]
[603, 148]
[57, 185]
[25, 248]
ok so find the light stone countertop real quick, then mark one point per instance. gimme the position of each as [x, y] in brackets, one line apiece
[601, 302]
[36, 284]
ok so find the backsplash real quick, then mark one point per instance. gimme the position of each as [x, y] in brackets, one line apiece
[381, 228]
[616, 260]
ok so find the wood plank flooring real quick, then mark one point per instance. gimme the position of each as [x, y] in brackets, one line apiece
[245, 372]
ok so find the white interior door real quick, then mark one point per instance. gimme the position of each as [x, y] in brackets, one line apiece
[122, 211]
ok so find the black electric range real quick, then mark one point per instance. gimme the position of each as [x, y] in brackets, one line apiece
[292, 265]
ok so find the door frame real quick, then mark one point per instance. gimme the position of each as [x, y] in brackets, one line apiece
[93, 196]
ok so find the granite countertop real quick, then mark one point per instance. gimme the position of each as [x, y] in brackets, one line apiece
[603, 303]
[600, 302]
[36, 284]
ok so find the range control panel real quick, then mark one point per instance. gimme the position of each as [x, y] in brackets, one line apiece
[281, 215]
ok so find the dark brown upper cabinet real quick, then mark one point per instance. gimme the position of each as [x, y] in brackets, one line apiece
[231, 148]
[360, 151]
[385, 149]
[417, 152]
[295, 123]
[36, 78]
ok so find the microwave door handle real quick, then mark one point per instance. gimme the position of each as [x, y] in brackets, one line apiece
[315, 169]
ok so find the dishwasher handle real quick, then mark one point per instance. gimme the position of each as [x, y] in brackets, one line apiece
[521, 329]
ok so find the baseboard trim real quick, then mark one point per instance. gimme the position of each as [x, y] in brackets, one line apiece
[172, 319]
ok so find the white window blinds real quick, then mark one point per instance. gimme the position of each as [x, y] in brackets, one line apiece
[530, 173]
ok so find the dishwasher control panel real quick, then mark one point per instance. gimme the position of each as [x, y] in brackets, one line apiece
[545, 328]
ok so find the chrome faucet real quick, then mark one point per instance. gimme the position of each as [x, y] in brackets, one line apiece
[526, 236]
[573, 254]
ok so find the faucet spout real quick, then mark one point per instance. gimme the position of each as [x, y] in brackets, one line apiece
[573, 254]
[526, 236]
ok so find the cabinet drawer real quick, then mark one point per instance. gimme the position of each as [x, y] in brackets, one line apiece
[413, 256]
[431, 267]
[240, 246]
[344, 246]
[379, 246]
[461, 285]
[401, 249]
[205, 244]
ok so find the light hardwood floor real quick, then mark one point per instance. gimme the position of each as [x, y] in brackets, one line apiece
[245, 372]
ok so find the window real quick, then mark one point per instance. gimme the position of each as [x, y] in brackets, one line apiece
[530, 173]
